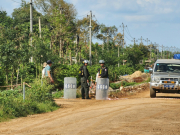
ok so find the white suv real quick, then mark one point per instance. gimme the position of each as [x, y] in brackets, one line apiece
[165, 77]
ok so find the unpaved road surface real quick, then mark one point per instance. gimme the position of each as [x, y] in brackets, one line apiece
[135, 115]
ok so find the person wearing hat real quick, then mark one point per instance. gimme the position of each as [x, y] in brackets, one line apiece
[48, 71]
[84, 74]
[103, 71]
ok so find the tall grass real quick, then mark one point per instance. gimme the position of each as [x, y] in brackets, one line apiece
[38, 99]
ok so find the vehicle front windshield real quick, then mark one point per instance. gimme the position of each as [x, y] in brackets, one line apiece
[170, 67]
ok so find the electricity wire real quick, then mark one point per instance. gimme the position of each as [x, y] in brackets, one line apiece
[127, 37]
[16, 1]
[82, 15]
[129, 32]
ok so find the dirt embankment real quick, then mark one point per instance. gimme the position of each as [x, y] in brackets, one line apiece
[137, 76]
[129, 90]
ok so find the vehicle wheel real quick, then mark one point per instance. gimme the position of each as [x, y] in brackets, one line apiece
[152, 92]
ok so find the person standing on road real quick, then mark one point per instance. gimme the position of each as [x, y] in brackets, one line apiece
[103, 71]
[48, 73]
[84, 74]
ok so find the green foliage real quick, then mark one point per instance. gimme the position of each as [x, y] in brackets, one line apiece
[37, 100]
[115, 85]
[4, 19]
[62, 71]
[58, 94]
[2, 77]
[78, 94]
[22, 15]
[135, 53]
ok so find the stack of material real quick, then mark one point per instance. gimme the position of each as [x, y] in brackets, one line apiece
[137, 76]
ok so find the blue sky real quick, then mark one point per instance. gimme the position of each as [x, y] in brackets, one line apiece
[157, 20]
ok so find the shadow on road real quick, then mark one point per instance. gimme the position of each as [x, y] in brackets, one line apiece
[169, 97]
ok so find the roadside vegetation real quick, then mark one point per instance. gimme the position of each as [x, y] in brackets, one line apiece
[124, 84]
[37, 100]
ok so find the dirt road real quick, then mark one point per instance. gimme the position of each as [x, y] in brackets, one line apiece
[137, 115]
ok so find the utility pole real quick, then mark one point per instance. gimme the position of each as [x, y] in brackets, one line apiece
[141, 39]
[60, 45]
[156, 50]
[31, 26]
[150, 50]
[90, 36]
[134, 40]
[170, 52]
[123, 39]
[77, 43]
[162, 53]
[167, 52]
[108, 38]
[118, 53]
[39, 27]
[147, 41]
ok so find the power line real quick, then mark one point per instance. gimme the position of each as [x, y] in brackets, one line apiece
[98, 21]
[127, 38]
[127, 29]
[128, 33]
[16, 1]
[82, 15]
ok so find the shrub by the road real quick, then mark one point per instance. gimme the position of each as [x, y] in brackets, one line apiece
[58, 94]
[37, 100]
[124, 84]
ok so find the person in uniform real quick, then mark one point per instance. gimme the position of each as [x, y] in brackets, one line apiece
[103, 71]
[84, 74]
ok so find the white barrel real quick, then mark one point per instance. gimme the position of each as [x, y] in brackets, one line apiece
[102, 89]
[70, 87]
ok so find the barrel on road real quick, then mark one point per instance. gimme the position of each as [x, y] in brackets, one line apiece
[102, 89]
[70, 87]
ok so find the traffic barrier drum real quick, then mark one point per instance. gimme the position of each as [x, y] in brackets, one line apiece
[102, 89]
[70, 87]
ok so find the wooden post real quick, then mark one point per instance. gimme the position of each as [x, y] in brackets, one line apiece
[23, 90]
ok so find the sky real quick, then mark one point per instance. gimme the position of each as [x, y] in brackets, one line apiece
[157, 20]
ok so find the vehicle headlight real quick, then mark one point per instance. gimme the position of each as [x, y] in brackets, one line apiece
[156, 79]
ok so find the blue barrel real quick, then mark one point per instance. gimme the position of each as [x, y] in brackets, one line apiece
[70, 87]
[146, 70]
[102, 89]
[176, 56]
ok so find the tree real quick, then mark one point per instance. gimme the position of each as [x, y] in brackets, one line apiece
[5, 20]
[135, 53]
[22, 14]
[107, 32]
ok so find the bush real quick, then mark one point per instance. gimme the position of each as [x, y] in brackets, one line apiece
[58, 94]
[38, 100]
[78, 94]
[2, 77]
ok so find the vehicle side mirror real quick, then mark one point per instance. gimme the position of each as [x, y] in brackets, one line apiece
[150, 70]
